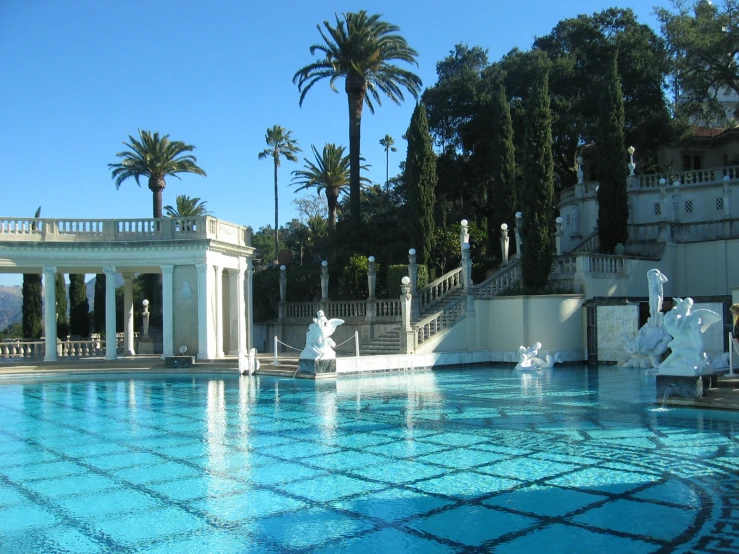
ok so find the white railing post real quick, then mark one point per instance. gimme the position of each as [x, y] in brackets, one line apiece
[356, 342]
[275, 362]
[731, 353]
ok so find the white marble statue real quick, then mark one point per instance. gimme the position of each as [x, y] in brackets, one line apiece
[688, 357]
[656, 295]
[528, 358]
[318, 342]
[646, 349]
[548, 361]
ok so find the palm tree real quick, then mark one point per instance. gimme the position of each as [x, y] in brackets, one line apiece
[329, 173]
[186, 206]
[280, 144]
[387, 143]
[154, 157]
[361, 49]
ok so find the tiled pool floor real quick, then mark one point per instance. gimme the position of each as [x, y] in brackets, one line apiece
[570, 460]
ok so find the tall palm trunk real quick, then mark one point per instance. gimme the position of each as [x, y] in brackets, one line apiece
[332, 197]
[157, 185]
[277, 241]
[387, 169]
[356, 88]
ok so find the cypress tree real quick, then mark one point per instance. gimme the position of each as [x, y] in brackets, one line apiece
[79, 312]
[537, 201]
[613, 207]
[502, 196]
[98, 304]
[32, 307]
[62, 321]
[420, 178]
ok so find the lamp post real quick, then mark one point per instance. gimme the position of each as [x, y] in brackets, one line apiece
[632, 165]
[504, 242]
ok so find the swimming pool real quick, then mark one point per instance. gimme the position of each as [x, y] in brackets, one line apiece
[568, 460]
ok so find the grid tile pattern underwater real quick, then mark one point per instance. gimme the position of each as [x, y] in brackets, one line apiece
[568, 460]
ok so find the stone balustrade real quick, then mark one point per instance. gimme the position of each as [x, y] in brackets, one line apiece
[385, 309]
[78, 348]
[30, 349]
[435, 323]
[86, 230]
[440, 288]
[499, 281]
[712, 176]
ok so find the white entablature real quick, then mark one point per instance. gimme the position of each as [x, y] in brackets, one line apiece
[205, 265]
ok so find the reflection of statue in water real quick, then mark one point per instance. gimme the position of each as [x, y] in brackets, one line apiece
[318, 342]
[650, 343]
[528, 358]
[688, 347]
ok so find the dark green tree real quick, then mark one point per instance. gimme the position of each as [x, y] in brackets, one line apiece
[79, 308]
[362, 49]
[186, 206]
[613, 208]
[502, 193]
[280, 145]
[420, 178]
[537, 200]
[98, 304]
[62, 321]
[32, 308]
[704, 49]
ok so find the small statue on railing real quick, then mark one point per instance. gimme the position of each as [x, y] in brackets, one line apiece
[318, 342]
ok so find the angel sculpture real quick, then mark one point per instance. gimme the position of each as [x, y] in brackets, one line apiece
[526, 356]
[318, 342]
[688, 346]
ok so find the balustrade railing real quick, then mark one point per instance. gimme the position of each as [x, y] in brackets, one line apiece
[563, 265]
[346, 309]
[591, 243]
[435, 292]
[30, 349]
[301, 310]
[80, 348]
[501, 280]
[389, 309]
[66, 230]
[604, 264]
[435, 323]
[710, 176]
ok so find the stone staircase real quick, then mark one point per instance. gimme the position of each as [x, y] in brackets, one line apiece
[382, 345]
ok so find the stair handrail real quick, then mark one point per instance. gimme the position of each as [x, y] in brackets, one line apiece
[500, 280]
[437, 290]
[438, 321]
[590, 243]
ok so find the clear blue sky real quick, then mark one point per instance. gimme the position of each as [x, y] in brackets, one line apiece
[79, 76]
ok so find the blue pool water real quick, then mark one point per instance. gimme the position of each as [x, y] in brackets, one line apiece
[569, 460]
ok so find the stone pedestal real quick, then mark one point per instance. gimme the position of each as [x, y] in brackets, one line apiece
[680, 386]
[179, 361]
[316, 369]
[146, 346]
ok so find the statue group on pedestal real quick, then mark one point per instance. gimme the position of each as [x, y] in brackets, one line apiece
[528, 358]
[318, 342]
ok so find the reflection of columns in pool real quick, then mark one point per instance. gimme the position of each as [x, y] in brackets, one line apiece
[218, 311]
[50, 313]
[128, 349]
[111, 339]
[216, 425]
[167, 311]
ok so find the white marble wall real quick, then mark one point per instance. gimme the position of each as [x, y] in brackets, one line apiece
[613, 323]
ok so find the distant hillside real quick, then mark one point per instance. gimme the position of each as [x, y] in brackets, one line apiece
[11, 304]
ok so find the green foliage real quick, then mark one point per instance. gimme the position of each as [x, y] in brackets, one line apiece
[303, 285]
[704, 46]
[387, 143]
[537, 200]
[98, 303]
[420, 178]
[613, 207]
[185, 206]
[446, 254]
[79, 309]
[362, 49]
[329, 174]
[155, 158]
[62, 320]
[280, 144]
[353, 282]
[395, 274]
[502, 193]
[12, 331]
[32, 307]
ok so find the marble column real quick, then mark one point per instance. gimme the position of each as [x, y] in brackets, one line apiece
[50, 313]
[233, 313]
[248, 287]
[128, 349]
[218, 312]
[244, 343]
[111, 340]
[206, 346]
[167, 311]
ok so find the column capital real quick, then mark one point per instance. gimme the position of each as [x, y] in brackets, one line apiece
[109, 270]
[168, 269]
[51, 269]
[232, 271]
[127, 276]
[219, 269]
[202, 268]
